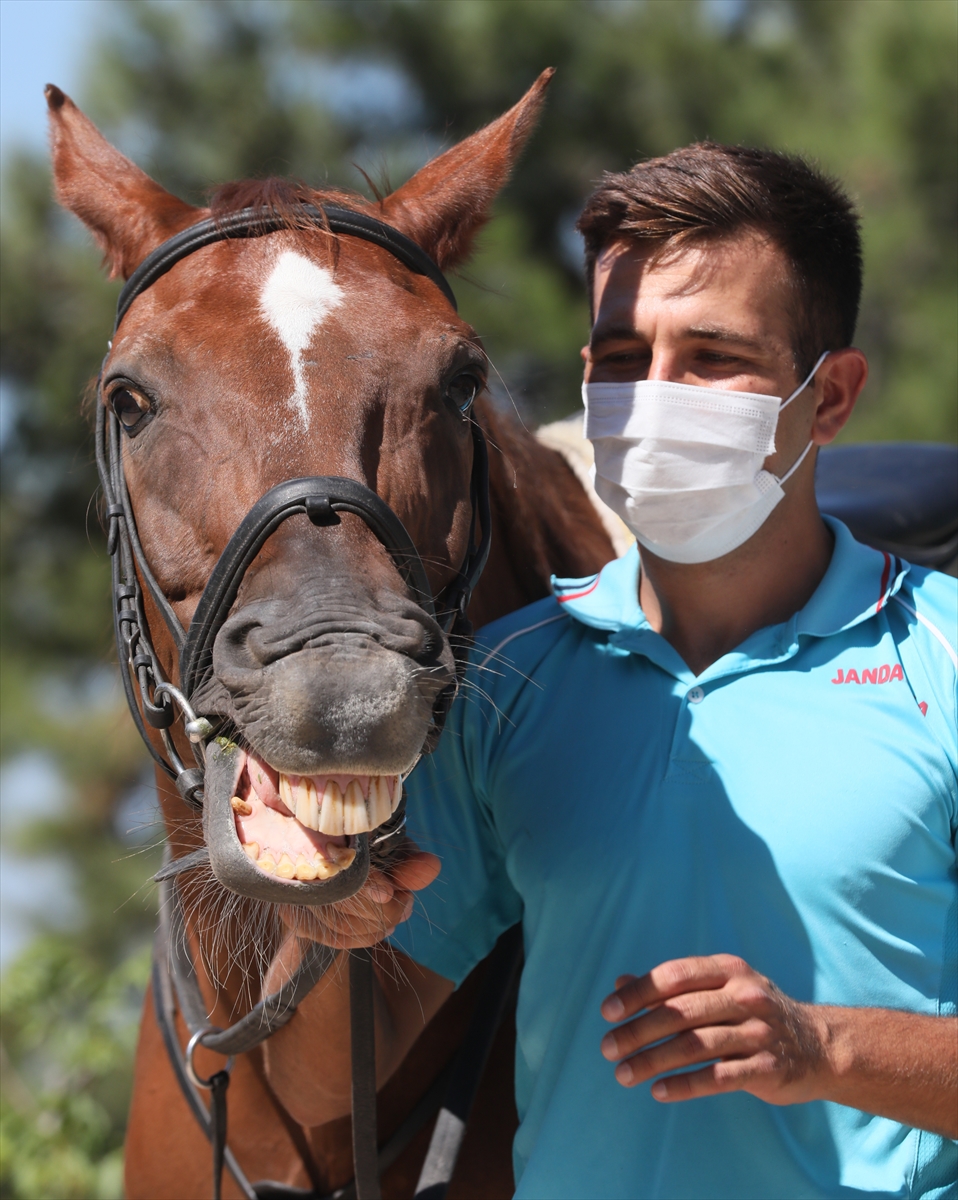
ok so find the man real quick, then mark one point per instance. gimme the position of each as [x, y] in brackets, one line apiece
[717, 785]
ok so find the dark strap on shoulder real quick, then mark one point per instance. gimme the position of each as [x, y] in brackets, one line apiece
[502, 973]
[256, 222]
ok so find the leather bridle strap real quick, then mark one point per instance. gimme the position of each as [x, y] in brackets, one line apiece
[255, 222]
[321, 498]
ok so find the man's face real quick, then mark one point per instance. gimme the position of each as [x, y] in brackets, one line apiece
[713, 314]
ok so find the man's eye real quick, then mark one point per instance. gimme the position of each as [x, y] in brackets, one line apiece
[130, 408]
[625, 357]
[462, 390]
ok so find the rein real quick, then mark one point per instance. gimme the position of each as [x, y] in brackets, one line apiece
[156, 703]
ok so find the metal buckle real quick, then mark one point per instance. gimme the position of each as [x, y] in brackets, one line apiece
[198, 729]
[191, 1045]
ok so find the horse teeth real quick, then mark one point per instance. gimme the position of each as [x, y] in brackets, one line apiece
[372, 803]
[252, 849]
[315, 804]
[307, 803]
[285, 868]
[355, 817]
[241, 806]
[325, 870]
[305, 870]
[379, 807]
[287, 792]
[331, 814]
[267, 863]
[341, 856]
[396, 794]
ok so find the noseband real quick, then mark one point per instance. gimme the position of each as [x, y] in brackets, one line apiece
[153, 700]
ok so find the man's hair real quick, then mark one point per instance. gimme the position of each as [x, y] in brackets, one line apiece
[707, 191]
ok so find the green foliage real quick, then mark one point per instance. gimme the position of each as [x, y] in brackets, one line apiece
[68, 1037]
[201, 92]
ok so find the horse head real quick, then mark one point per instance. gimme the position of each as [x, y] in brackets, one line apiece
[300, 353]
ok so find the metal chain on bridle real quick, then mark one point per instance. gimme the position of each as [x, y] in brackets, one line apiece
[156, 703]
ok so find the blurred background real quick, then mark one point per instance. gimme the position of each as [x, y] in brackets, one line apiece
[198, 93]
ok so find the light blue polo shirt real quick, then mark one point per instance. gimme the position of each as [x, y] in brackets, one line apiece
[795, 804]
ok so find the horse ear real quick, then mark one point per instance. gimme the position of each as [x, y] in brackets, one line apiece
[443, 206]
[127, 213]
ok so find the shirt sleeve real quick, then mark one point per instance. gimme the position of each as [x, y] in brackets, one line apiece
[923, 621]
[458, 919]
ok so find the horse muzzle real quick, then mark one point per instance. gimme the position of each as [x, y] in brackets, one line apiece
[333, 861]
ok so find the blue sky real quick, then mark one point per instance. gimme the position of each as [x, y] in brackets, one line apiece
[41, 41]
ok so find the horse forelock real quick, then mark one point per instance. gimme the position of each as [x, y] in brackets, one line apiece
[284, 199]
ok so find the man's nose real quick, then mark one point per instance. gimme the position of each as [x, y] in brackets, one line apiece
[665, 366]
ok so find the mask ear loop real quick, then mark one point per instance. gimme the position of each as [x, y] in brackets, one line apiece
[798, 391]
[808, 379]
[795, 465]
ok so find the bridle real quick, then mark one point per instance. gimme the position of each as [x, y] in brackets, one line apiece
[156, 703]
[152, 698]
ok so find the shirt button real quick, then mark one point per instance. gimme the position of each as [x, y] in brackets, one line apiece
[695, 695]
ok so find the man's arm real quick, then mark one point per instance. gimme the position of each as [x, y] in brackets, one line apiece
[894, 1064]
[308, 1060]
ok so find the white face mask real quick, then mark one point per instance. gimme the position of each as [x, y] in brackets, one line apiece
[682, 465]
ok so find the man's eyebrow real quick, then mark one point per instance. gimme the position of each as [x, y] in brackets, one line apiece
[721, 333]
[614, 333]
[712, 333]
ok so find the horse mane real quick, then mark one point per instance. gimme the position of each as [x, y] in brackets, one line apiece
[284, 198]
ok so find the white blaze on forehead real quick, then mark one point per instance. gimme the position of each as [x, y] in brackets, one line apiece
[296, 299]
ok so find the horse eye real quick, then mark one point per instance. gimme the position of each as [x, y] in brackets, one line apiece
[462, 391]
[130, 408]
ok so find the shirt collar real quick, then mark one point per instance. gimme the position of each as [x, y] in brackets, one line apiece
[858, 583]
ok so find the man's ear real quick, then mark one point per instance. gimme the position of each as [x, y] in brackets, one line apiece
[444, 205]
[127, 213]
[841, 378]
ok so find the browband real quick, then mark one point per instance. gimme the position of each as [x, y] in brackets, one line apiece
[256, 222]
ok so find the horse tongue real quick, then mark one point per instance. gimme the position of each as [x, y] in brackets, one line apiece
[265, 782]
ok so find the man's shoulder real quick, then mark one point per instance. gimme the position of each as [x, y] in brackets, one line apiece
[926, 632]
[934, 596]
[928, 602]
[522, 636]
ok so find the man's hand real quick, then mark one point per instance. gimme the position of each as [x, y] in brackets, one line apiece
[382, 903]
[717, 1010]
[712, 1008]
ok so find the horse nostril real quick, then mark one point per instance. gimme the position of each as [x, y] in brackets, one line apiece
[237, 642]
[432, 644]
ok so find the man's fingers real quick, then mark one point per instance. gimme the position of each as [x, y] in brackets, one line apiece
[693, 1046]
[671, 1017]
[380, 890]
[383, 902]
[416, 872]
[731, 1076]
[671, 979]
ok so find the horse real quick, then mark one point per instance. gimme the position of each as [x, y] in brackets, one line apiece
[308, 352]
